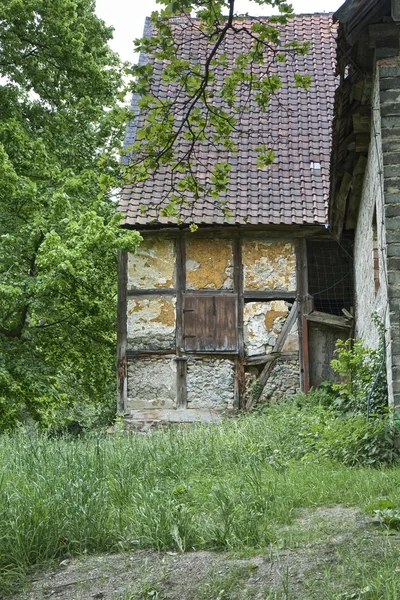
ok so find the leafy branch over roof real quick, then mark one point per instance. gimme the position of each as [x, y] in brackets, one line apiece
[203, 98]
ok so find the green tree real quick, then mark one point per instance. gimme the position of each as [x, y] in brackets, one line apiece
[60, 129]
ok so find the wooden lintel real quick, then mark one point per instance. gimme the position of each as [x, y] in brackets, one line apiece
[233, 231]
[331, 320]
[152, 292]
[250, 295]
[265, 358]
[328, 319]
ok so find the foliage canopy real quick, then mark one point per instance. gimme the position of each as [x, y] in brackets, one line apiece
[59, 129]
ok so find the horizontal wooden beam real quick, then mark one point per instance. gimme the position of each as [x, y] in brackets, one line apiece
[250, 295]
[131, 354]
[330, 320]
[265, 358]
[152, 292]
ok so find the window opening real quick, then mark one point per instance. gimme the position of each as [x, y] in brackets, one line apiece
[375, 253]
[330, 275]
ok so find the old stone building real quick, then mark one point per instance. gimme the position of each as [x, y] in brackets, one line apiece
[237, 311]
[365, 198]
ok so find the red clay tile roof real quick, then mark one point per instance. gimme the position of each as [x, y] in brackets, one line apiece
[295, 189]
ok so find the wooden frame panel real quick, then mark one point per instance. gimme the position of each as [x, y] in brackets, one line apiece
[122, 307]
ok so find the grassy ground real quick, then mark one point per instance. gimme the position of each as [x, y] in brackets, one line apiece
[239, 487]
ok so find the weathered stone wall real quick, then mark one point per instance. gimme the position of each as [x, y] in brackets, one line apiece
[389, 221]
[283, 381]
[382, 191]
[263, 322]
[211, 383]
[366, 301]
[151, 383]
[151, 323]
[269, 265]
[209, 264]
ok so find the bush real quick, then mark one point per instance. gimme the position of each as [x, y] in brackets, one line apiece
[363, 385]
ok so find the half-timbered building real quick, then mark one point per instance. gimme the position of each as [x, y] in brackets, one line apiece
[248, 307]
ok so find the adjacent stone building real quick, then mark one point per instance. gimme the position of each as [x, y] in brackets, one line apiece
[237, 311]
[365, 197]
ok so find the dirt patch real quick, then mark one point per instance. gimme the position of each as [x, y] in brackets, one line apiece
[311, 549]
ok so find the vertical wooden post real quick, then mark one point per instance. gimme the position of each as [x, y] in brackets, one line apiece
[181, 362]
[238, 289]
[304, 306]
[122, 307]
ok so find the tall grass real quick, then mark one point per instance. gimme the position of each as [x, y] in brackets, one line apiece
[222, 486]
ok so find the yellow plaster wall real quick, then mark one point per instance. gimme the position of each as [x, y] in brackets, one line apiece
[153, 265]
[209, 264]
[269, 265]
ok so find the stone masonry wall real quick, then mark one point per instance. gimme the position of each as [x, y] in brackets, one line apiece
[367, 301]
[211, 383]
[389, 83]
[151, 383]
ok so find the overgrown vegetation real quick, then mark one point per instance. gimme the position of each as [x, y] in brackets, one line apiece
[229, 486]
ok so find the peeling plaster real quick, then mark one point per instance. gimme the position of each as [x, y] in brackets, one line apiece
[210, 383]
[269, 265]
[151, 323]
[151, 384]
[209, 264]
[263, 321]
[153, 265]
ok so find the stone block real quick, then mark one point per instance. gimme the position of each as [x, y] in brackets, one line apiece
[391, 158]
[392, 210]
[392, 185]
[391, 133]
[396, 390]
[393, 223]
[393, 262]
[390, 145]
[391, 171]
[389, 109]
[393, 249]
[390, 96]
[392, 198]
[392, 235]
[389, 82]
[393, 294]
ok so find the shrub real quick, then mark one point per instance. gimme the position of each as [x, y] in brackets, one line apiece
[363, 385]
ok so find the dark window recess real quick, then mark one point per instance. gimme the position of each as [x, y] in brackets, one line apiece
[210, 323]
[375, 253]
[330, 276]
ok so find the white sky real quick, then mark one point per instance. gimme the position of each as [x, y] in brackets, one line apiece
[127, 17]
